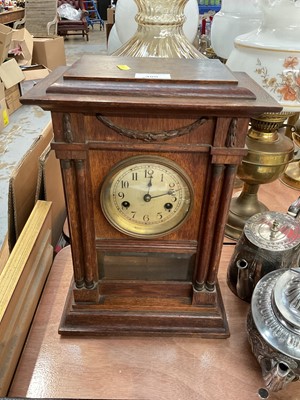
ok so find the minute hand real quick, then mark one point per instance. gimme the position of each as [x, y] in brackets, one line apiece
[170, 192]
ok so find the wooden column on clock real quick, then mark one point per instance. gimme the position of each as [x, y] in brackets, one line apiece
[186, 118]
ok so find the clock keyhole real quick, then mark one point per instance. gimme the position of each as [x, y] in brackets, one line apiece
[125, 204]
[168, 206]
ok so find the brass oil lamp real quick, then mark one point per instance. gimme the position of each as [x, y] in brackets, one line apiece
[270, 55]
[269, 153]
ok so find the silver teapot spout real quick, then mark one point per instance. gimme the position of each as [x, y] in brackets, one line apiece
[294, 209]
[278, 373]
[244, 286]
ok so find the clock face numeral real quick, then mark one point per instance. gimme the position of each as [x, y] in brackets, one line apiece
[146, 196]
[124, 184]
[149, 173]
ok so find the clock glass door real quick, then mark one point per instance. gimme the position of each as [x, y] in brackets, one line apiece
[146, 266]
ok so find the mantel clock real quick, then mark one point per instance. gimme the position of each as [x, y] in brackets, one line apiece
[148, 156]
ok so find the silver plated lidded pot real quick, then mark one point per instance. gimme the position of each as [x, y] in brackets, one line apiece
[270, 240]
[273, 327]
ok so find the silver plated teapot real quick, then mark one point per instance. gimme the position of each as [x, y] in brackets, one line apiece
[273, 327]
[270, 240]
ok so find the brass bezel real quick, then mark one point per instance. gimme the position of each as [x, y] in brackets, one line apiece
[123, 225]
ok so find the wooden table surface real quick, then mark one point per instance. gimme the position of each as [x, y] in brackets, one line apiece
[162, 368]
[7, 17]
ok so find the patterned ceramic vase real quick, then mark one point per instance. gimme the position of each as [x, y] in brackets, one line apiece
[271, 54]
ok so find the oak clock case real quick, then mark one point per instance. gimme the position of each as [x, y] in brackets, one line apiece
[148, 168]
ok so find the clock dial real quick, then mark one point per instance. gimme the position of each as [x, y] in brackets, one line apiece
[146, 196]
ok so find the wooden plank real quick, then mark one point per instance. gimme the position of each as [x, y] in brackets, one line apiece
[4, 253]
[21, 283]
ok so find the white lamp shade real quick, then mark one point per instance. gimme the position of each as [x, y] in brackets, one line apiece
[190, 27]
[234, 19]
[124, 19]
[113, 42]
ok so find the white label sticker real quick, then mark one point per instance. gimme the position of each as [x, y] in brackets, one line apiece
[152, 76]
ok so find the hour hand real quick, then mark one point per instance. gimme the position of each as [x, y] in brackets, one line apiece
[150, 182]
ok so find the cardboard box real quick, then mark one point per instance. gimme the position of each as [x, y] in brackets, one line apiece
[23, 184]
[49, 52]
[50, 188]
[11, 75]
[21, 46]
[5, 40]
[12, 98]
[33, 74]
[111, 15]
[37, 177]
[4, 119]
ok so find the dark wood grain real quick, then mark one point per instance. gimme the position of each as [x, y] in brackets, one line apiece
[205, 71]
[195, 86]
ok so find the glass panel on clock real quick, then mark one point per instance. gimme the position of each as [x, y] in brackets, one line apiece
[146, 266]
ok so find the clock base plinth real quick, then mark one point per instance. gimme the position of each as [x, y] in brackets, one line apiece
[133, 315]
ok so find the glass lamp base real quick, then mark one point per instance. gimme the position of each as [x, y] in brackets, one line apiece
[160, 32]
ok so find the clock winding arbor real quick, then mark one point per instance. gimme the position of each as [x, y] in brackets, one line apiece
[148, 156]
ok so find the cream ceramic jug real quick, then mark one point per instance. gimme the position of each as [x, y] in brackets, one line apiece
[271, 53]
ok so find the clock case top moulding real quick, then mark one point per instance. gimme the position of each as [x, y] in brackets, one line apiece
[194, 113]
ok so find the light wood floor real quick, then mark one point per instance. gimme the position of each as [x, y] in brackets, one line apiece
[143, 368]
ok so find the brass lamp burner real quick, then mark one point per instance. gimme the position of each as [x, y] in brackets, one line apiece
[291, 176]
[269, 152]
